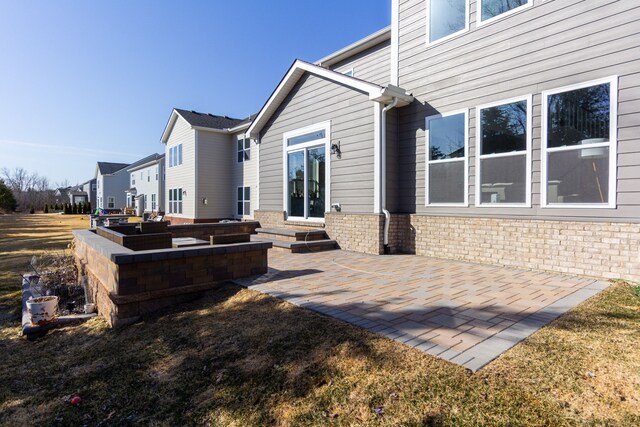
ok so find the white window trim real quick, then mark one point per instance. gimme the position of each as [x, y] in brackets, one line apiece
[244, 214]
[527, 153]
[326, 126]
[452, 35]
[612, 145]
[480, 22]
[465, 159]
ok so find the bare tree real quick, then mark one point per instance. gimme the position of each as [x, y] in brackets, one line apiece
[30, 189]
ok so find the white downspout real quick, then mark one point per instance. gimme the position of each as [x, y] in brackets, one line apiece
[383, 173]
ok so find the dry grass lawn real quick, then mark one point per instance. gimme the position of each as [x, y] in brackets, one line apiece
[240, 358]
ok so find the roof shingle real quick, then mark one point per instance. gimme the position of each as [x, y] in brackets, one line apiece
[211, 121]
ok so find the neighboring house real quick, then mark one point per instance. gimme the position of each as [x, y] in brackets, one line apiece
[512, 141]
[112, 181]
[211, 168]
[146, 192]
[89, 188]
[72, 195]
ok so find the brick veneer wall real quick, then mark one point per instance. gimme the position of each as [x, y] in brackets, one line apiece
[269, 219]
[598, 249]
[125, 284]
[356, 232]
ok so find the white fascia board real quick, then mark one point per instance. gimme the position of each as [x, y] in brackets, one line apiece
[169, 127]
[355, 48]
[212, 130]
[239, 128]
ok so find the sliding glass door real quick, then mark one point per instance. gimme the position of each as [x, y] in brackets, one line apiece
[306, 169]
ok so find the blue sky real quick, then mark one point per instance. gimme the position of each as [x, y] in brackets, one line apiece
[83, 81]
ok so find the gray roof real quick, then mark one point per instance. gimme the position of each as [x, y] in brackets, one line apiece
[148, 159]
[206, 120]
[107, 168]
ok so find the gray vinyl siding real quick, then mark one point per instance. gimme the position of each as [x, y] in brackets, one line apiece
[371, 65]
[546, 46]
[182, 176]
[88, 188]
[314, 100]
[214, 151]
[115, 186]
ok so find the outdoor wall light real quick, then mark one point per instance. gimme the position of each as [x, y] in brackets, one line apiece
[184, 192]
[335, 149]
[204, 201]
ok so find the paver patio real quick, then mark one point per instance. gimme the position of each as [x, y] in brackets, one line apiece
[466, 313]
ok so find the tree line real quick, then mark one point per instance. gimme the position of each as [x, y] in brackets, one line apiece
[21, 190]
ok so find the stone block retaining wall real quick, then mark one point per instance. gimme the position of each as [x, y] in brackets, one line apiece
[126, 285]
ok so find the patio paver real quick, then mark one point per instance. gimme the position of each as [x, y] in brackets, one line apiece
[466, 313]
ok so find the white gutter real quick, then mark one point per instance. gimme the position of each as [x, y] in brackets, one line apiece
[383, 172]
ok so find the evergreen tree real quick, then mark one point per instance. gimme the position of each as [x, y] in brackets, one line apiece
[46, 208]
[7, 201]
[32, 210]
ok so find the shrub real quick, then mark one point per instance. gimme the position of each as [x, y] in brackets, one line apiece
[32, 210]
[46, 208]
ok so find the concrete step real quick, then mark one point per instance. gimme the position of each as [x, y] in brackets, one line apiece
[292, 235]
[297, 246]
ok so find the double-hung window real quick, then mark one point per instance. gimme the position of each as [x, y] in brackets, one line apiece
[446, 18]
[133, 179]
[244, 201]
[111, 202]
[153, 202]
[244, 149]
[447, 137]
[489, 10]
[175, 200]
[579, 145]
[503, 161]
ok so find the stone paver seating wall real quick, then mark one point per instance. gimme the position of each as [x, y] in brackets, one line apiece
[127, 284]
[466, 313]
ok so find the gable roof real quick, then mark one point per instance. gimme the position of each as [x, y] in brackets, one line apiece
[375, 92]
[205, 121]
[146, 162]
[107, 168]
[355, 48]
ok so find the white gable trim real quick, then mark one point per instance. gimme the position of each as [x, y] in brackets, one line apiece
[375, 92]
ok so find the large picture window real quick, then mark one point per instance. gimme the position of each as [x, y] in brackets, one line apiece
[494, 9]
[447, 137]
[447, 18]
[579, 145]
[503, 163]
